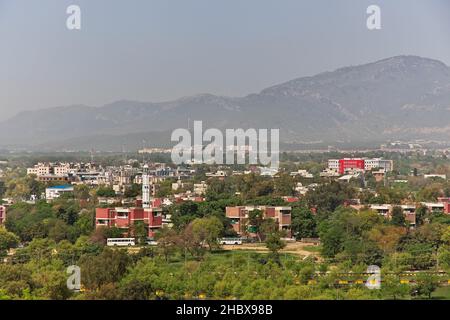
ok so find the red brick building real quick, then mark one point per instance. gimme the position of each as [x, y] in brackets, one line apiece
[125, 218]
[239, 217]
[2, 214]
[446, 203]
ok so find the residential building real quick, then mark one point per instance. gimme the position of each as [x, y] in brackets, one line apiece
[446, 202]
[52, 178]
[52, 193]
[436, 207]
[328, 172]
[61, 169]
[302, 173]
[239, 217]
[2, 214]
[379, 175]
[409, 211]
[40, 169]
[200, 188]
[431, 176]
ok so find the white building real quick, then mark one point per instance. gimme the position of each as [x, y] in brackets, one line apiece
[61, 169]
[430, 176]
[200, 188]
[329, 173]
[333, 164]
[52, 193]
[40, 169]
[302, 173]
[370, 164]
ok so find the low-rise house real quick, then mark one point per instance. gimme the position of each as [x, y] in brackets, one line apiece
[436, 207]
[379, 175]
[329, 173]
[302, 173]
[431, 176]
[200, 188]
[52, 193]
[2, 214]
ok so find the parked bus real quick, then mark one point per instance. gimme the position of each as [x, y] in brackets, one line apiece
[120, 242]
[230, 241]
[151, 242]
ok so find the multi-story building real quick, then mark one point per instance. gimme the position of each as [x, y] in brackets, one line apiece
[409, 211]
[200, 188]
[40, 169]
[348, 164]
[125, 218]
[446, 202]
[351, 164]
[52, 178]
[378, 163]
[2, 214]
[61, 169]
[239, 217]
[45, 169]
[333, 164]
[435, 207]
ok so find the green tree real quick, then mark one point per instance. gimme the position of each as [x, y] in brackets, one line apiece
[105, 192]
[207, 230]
[168, 240]
[107, 267]
[139, 231]
[398, 218]
[8, 240]
[304, 223]
[421, 213]
[272, 236]
[426, 285]
[393, 288]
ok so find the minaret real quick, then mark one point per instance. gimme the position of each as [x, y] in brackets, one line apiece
[145, 187]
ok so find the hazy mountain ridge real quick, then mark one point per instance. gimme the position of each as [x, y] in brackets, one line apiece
[395, 98]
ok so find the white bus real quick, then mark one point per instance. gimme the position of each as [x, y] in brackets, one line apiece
[230, 241]
[121, 242]
[151, 242]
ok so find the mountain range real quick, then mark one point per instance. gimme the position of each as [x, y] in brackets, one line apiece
[399, 98]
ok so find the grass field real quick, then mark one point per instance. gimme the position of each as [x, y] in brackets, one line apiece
[442, 293]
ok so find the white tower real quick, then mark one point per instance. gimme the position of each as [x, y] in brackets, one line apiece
[145, 188]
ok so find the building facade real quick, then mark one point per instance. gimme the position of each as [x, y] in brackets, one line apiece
[52, 193]
[350, 164]
[125, 218]
[239, 217]
[2, 214]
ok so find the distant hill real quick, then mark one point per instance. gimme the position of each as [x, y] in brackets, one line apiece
[404, 97]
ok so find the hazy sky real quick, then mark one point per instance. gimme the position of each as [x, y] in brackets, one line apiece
[155, 50]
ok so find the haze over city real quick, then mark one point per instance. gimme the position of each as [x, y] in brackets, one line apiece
[163, 50]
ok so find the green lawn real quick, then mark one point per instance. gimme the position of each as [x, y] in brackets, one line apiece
[315, 249]
[442, 293]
